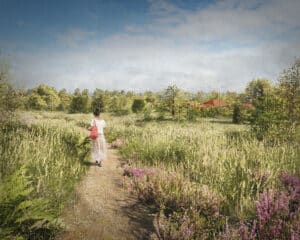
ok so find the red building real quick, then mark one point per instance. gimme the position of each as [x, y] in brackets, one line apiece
[215, 103]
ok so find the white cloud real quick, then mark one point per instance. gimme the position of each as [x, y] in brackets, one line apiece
[220, 47]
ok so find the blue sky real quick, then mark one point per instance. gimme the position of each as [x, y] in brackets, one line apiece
[148, 44]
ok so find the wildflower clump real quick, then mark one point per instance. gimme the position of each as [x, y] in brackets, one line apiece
[185, 210]
[277, 214]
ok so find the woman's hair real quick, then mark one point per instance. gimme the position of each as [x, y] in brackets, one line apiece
[96, 111]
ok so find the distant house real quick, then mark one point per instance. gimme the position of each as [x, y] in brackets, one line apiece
[215, 103]
[248, 105]
[210, 103]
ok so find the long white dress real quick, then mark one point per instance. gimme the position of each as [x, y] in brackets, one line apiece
[99, 149]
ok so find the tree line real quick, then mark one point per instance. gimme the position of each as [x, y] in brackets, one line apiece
[274, 107]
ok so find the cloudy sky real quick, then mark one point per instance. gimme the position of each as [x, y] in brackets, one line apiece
[148, 44]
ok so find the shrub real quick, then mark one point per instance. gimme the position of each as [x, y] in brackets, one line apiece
[277, 213]
[138, 105]
[237, 114]
[20, 214]
[186, 211]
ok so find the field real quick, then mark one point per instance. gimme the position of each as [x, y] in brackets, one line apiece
[208, 179]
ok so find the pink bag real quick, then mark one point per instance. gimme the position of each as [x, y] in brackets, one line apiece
[94, 131]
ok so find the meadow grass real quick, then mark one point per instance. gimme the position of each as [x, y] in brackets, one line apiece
[41, 161]
[198, 163]
[224, 157]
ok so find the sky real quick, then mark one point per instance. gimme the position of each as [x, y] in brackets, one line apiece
[146, 45]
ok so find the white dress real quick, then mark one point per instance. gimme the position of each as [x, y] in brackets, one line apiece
[99, 149]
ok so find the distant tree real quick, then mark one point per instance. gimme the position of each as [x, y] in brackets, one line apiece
[289, 91]
[199, 96]
[119, 104]
[171, 99]
[150, 97]
[9, 97]
[35, 101]
[268, 119]
[98, 100]
[212, 95]
[276, 114]
[257, 89]
[138, 105]
[80, 102]
[230, 97]
[65, 100]
[237, 114]
[46, 96]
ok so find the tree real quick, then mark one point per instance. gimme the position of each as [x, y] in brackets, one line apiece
[268, 119]
[35, 101]
[47, 97]
[276, 114]
[138, 105]
[9, 97]
[237, 114]
[98, 100]
[257, 89]
[80, 102]
[171, 99]
[65, 100]
[212, 95]
[119, 104]
[289, 90]
[199, 96]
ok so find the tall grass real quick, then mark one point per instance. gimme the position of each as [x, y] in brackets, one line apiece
[50, 155]
[224, 157]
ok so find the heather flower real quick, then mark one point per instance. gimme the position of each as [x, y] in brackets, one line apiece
[134, 172]
[290, 181]
[187, 232]
[138, 173]
[269, 206]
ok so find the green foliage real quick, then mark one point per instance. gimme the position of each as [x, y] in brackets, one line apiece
[237, 114]
[268, 119]
[172, 101]
[276, 115]
[50, 157]
[212, 112]
[35, 101]
[222, 157]
[43, 97]
[20, 214]
[138, 105]
[225, 159]
[289, 90]
[98, 102]
[9, 97]
[119, 105]
[80, 102]
[192, 114]
[65, 100]
[257, 89]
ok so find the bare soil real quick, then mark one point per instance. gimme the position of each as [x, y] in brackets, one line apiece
[104, 209]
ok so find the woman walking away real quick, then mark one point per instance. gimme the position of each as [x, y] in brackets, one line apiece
[97, 136]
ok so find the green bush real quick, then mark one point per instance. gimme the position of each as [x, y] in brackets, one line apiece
[138, 105]
[50, 159]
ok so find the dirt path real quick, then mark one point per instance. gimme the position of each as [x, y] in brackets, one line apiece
[104, 209]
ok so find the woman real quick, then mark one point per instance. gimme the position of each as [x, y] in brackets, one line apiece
[98, 144]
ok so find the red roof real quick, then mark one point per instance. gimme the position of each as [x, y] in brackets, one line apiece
[248, 105]
[215, 103]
